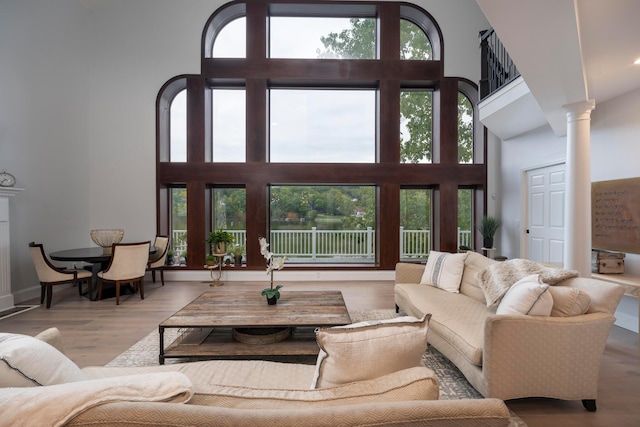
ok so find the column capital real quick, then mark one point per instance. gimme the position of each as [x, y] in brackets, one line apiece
[579, 110]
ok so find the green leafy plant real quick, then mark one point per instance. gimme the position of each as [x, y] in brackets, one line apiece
[219, 240]
[237, 250]
[272, 292]
[488, 226]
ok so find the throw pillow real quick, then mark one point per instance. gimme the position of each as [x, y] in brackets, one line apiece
[444, 271]
[528, 296]
[27, 361]
[53, 337]
[569, 301]
[368, 350]
[418, 383]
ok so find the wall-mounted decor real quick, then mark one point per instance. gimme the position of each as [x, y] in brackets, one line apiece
[615, 215]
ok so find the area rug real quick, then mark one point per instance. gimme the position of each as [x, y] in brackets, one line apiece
[453, 385]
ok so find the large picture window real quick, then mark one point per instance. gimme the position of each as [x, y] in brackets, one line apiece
[323, 223]
[327, 127]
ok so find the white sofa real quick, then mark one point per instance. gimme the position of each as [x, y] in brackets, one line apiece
[515, 356]
[218, 393]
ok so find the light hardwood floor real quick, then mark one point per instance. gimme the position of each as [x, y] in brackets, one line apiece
[97, 331]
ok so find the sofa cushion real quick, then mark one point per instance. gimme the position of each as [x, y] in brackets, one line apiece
[454, 317]
[473, 264]
[444, 270]
[568, 301]
[368, 350]
[241, 373]
[418, 383]
[27, 361]
[528, 296]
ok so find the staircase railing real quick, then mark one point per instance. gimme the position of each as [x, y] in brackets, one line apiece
[497, 68]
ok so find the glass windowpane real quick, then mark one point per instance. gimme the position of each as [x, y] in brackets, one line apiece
[313, 38]
[178, 128]
[414, 43]
[320, 224]
[465, 219]
[179, 224]
[416, 126]
[465, 129]
[323, 126]
[229, 125]
[415, 224]
[229, 211]
[231, 41]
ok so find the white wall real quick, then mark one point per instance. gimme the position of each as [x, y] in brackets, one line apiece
[615, 132]
[44, 132]
[77, 109]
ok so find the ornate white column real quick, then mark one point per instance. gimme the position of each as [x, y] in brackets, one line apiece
[577, 224]
[6, 297]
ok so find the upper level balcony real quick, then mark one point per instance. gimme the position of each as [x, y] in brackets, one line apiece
[507, 108]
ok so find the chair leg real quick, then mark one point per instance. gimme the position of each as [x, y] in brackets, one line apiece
[117, 292]
[79, 284]
[162, 275]
[153, 275]
[142, 288]
[99, 288]
[49, 295]
[89, 287]
[42, 292]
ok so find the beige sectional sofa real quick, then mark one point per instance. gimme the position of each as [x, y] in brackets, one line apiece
[514, 356]
[217, 393]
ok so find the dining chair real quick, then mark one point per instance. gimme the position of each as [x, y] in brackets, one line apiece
[158, 259]
[49, 274]
[127, 265]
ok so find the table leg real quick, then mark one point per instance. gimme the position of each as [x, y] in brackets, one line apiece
[95, 269]
[161, 356]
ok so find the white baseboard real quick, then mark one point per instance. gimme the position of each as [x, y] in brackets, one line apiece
[34, 292]
[6, 301]
[243, 276]
[285, 276]
[627, 313]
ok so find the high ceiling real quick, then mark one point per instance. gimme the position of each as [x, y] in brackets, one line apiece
[570, 51]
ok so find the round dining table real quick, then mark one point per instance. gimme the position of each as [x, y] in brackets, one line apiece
[95, 256]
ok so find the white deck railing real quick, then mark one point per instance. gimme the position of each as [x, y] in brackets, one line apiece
[317, 244]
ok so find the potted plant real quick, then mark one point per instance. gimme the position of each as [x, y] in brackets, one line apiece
[487, 228]
[272, 294]
[210, 260]
[237, 252]
[219, 241]
[170, 254]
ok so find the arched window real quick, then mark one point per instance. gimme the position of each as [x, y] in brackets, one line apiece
[327, 127]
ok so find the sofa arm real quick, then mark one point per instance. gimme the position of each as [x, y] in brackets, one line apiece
[407, 272]
[556, 357]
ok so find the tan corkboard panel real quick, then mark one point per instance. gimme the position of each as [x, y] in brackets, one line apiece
[615, 215]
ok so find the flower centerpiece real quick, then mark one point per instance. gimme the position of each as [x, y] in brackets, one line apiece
[273, 263]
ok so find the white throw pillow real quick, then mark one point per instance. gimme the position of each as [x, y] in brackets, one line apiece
[444, 271]
[368, 350]
[27, 361]
[528, 296]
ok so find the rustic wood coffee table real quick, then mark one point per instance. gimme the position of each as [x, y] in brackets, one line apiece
[210, 319]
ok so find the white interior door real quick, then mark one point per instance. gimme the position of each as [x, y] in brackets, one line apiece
[545, 216]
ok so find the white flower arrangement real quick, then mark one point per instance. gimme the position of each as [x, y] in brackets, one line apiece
[273, 263]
